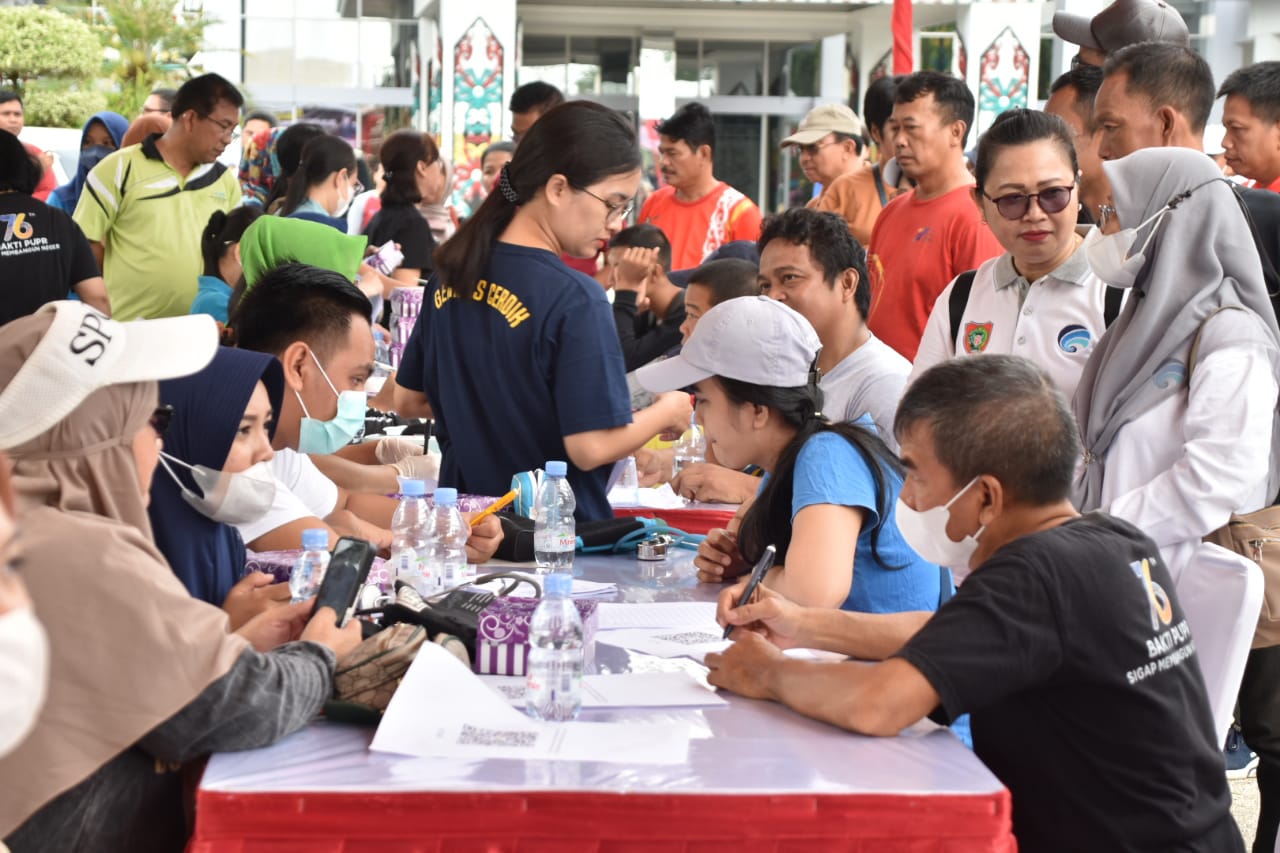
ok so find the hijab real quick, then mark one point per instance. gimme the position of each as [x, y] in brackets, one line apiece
[1200, 259]
[275, 240]
[259, 166]
[68, 195]
[207, 556]
[129, 648]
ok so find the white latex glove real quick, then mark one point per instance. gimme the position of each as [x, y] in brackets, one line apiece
[426, 467]
[391, 450]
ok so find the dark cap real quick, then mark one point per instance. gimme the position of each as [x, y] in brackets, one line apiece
[1123, 23]
[743, 249]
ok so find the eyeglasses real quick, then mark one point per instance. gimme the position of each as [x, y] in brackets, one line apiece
[228, 128]
[812, 150]
[1016, 205]
[616, 211]
[160, 418]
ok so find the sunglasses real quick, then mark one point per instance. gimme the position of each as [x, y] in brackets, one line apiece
[160, 419]
[1016, 205]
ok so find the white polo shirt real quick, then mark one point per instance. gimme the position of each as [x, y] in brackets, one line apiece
[1055, 321]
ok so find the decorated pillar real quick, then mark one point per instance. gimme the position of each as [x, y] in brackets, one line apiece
[1003, 45]
[472, 66]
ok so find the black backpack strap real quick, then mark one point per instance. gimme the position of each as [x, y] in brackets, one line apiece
[1112, 302]
[958, 300]
[875, 173]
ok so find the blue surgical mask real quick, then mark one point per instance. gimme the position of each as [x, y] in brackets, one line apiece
[92, 156]
[317, 436]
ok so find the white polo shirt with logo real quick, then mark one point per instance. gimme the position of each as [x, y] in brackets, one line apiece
[1055, 320]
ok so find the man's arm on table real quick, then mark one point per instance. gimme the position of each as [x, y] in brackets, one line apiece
[870, 698]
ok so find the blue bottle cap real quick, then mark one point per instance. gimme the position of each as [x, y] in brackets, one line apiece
[413, 488]
[315, 539]
[556, 469]
[446, 497]
[558, 584]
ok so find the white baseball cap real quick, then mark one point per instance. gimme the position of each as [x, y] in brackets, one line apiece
[82, 351]
[752, 339]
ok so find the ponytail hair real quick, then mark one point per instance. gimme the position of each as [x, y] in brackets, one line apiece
[321, 157]
[768, 521]
[401, 153]
[583, 141]
[222, 230]
[287, 155]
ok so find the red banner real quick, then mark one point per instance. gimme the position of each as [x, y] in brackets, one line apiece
[903, 44]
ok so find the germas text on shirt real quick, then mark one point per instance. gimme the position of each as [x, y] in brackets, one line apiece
[492, 294]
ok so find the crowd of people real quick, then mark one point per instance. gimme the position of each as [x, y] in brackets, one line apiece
[1031, 540]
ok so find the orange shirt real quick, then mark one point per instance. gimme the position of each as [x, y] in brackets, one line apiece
[698, 228]
[854, 197]
[917, 248]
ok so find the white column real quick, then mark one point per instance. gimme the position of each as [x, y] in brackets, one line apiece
[870, 35]
[1013, 29]
[833, 75]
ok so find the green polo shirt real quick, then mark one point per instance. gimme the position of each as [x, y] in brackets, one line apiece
[148, 219]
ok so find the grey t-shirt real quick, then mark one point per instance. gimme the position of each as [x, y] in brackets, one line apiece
[869, 381]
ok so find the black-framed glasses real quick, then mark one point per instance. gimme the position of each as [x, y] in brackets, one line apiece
[616, 211]
[160, 419]
[1016, 205]
[228, 128]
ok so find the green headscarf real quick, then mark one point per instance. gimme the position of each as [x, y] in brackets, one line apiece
[274, 240]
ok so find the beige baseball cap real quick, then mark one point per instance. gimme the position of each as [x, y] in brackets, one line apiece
[828, 118]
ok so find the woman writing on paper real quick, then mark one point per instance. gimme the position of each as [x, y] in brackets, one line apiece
[827, 502]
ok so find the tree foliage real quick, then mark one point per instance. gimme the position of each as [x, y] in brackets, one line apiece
[57, 106]
[150, 44]
[36, 41]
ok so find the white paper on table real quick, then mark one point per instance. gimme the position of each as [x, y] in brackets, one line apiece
[441, 709]
[694, 643]
[657, 614]
[661, 497]
[622, 690]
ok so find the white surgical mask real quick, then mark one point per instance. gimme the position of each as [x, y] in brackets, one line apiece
[1108, 254]
[926, 533]
[24, 672]
[228, 498]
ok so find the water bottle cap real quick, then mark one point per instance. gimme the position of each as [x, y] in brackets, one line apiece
[412, 488]
[556, 469]
[446, 497]
[558, 584]
[315, 539]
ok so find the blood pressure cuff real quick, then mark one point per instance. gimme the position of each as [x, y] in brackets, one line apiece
[593, 536]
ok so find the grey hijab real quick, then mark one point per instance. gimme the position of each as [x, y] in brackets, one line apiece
[1201, 258]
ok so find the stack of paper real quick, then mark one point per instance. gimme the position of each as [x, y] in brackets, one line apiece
[665, 629]
[474, 722]
[622, 690]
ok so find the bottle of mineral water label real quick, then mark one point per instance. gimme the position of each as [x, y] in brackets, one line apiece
[554, 533]
[553, 674]
[409, 528]
[690, 449]
[308, 571]
[446, 562]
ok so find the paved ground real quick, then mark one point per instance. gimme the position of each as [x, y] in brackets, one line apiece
[1244, 806]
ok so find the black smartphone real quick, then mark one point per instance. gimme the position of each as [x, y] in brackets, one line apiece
[349, 566]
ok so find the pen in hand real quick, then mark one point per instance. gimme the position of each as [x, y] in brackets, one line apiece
[494, 507]
[761, 568]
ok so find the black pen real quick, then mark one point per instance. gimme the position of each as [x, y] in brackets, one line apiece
[757, 574]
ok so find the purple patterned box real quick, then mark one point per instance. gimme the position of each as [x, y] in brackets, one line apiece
[502, 636]
[280, 565]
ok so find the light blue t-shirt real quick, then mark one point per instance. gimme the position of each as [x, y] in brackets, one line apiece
[213, 295]
[830, 470]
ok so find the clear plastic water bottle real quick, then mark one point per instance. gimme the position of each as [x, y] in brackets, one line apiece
[409, 533]
[553, 680]
[447, 541]
[309, 570]
[691, 448]
[554, 532]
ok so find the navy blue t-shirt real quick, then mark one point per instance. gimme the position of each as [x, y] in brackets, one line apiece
[513, 363]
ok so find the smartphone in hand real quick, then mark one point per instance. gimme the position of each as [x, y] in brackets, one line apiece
[348, 568]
